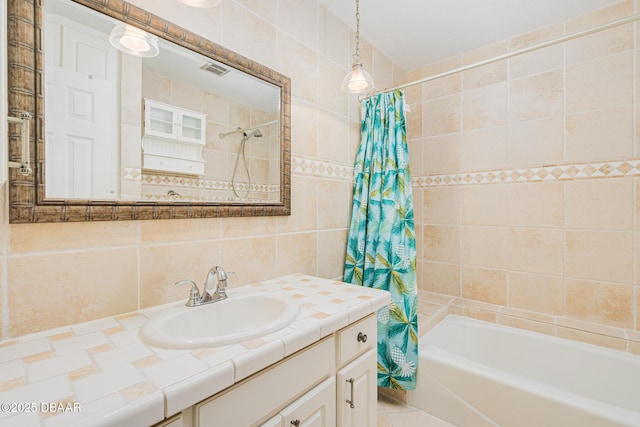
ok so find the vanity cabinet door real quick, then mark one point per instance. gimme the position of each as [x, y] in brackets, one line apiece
[277, 421]
[175, 421]
[317, 408]
[357, 387]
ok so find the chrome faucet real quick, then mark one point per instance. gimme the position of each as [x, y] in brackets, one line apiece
[212, 292]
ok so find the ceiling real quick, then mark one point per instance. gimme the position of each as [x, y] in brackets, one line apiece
[414, 33]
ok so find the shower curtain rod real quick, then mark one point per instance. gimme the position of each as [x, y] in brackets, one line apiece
[596, 29]
[222, 135]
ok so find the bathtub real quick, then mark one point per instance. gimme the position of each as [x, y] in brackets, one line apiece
[474, 374]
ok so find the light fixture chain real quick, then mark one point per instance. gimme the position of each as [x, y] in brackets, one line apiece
[357, 80]
[356, 55]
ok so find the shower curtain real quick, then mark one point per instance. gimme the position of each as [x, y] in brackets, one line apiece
[381, 246]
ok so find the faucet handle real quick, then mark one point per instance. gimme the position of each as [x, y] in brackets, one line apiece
[222, 275]
[194, 294]
[221, 287]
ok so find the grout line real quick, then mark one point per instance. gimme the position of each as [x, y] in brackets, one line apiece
[507, 227]
[75, 249]
[564, 184]
[461, 190]
[460, 243]
[564, 252]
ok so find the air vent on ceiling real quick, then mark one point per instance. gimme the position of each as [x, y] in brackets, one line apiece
[216, 69]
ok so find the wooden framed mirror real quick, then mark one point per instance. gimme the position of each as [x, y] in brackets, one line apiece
[181, 127]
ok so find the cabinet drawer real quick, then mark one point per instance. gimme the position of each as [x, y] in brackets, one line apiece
[249, 402]
[357, 338]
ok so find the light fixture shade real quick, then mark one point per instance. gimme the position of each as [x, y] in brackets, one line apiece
[134, 41]
[357, 81]
[201, 3]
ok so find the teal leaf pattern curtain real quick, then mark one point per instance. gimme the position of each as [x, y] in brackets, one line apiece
[381, 246]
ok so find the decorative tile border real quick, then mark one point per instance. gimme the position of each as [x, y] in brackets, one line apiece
[334, 170]
[321, 168]
[204, 184]
[201, 199]
[131, 174]
[542, 174]
[136, 175]
[341, 171]
[299, 166]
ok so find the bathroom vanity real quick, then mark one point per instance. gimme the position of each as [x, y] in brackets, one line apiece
[311, 387]
[320, 370]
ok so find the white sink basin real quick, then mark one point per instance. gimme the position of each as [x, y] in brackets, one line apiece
[235, 319]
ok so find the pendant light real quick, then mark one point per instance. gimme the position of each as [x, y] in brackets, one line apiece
[200, 3]
[358, 80]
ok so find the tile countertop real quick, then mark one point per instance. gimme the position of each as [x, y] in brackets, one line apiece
[101, 373]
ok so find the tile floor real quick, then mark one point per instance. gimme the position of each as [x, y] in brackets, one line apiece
[392, 413]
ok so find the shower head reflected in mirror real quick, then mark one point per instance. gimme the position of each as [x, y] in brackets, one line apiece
[257, 133]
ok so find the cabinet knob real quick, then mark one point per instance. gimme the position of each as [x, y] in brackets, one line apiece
[295, 423]
[362, 337]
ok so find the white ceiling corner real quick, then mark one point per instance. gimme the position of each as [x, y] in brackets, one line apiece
[414, 33]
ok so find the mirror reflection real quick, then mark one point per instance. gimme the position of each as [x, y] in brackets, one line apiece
[130, 116]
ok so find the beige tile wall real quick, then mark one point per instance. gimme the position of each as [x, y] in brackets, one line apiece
[560, 255]
[57, 274]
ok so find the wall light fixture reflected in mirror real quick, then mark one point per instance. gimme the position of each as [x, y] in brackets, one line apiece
[201, 3]
[134, 41]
